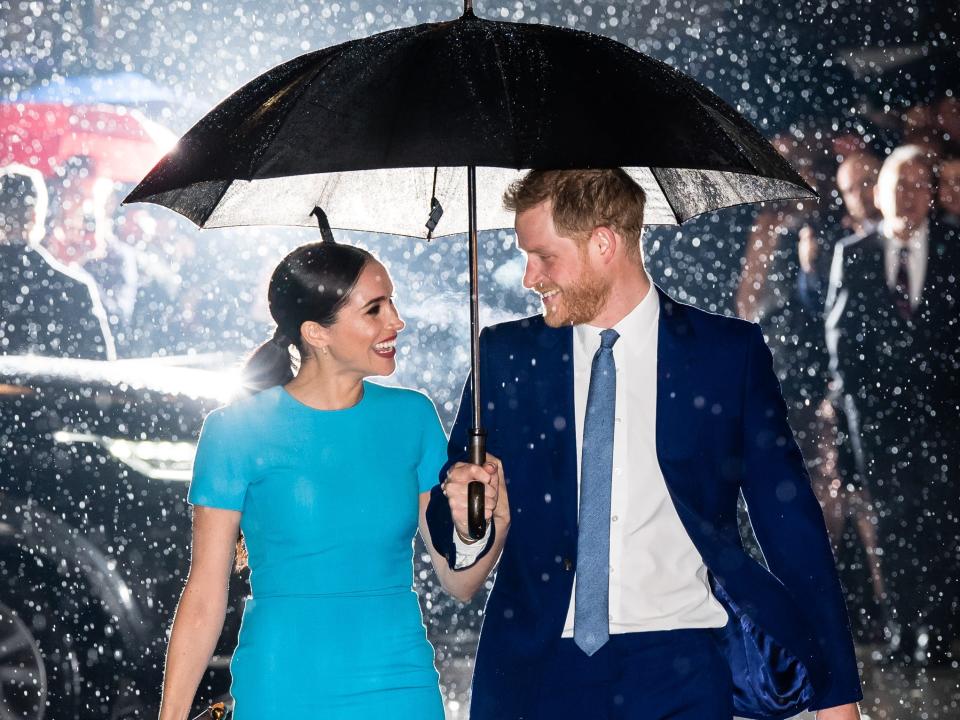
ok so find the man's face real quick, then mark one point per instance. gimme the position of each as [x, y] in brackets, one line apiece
[856, 180]
[559, 269]
[904, 194]
[949, 196]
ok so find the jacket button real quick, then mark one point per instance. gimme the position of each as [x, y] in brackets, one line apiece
[567, 564]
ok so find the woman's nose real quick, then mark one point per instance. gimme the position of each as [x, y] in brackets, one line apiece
[397, 321]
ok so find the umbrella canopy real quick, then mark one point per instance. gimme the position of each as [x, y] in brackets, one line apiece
[122, 142]
[432, 122]
[359, 129]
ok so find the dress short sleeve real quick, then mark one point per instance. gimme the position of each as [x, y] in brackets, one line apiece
[220, 476]
[434, 448]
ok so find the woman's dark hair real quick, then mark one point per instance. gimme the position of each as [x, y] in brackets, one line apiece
[311, 283]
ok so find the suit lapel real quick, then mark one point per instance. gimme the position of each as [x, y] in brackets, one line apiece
[555, 414]
[674, 358]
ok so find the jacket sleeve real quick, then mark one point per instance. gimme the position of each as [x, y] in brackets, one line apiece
[788, 522]
[439, 519]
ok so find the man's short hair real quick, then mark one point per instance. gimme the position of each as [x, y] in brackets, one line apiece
[23, 204]
[582, 200]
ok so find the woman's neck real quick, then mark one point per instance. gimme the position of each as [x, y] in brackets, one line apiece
[325, 390]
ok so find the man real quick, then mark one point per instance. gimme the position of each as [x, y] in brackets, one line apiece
[856, 179]
[44, 308]
[627, 424]
[81, 239]
[894, 339]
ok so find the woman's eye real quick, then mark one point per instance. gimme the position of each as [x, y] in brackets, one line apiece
[375, 310]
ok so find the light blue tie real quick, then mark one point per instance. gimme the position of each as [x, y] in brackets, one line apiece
[591, 622]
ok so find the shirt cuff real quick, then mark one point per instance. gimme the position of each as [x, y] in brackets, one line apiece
[467, 553]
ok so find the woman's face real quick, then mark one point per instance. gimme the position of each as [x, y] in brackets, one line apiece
[363, 339]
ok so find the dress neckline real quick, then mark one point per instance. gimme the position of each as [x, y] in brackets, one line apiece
[309, 408]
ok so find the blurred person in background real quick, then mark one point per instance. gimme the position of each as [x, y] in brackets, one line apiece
[159, 253]
[71, 235]
[783, 288]
[45, 307]
[947, 119]
[892, 331]
[948, 197]
[80, 236]
[856, 180]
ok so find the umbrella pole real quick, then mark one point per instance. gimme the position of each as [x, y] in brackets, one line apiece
[478, 452]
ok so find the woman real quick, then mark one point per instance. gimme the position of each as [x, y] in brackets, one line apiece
[323, 473]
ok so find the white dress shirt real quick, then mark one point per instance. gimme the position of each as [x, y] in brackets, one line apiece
[658, 580]
[916, 266]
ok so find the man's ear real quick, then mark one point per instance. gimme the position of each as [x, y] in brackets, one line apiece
[604, 242]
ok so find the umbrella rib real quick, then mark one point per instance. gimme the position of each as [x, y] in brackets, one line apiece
[305, 85]
[653, 171]
[508, 97]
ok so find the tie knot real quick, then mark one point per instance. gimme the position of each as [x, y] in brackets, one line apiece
[608, 338]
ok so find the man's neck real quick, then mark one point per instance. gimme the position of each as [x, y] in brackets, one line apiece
[626, 293]
[903, 231]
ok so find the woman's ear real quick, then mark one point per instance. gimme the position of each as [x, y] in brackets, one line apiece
[315, 335]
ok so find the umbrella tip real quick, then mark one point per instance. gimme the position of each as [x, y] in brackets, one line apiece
[325, 232]
[468, 9]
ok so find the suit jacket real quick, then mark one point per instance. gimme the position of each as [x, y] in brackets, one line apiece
[59, 314]
[721, 429]
[876, 355]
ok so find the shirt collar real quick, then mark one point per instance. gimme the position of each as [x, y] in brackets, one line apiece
[630, 327]
[918, 239]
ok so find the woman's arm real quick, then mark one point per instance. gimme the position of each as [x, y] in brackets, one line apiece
[463, 584]
[202, 608]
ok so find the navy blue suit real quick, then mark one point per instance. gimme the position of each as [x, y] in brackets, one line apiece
[721, 429]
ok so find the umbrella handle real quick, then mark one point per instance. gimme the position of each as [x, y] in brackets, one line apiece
[476, 523]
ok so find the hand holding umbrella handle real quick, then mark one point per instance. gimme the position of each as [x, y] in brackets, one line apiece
[476, 523]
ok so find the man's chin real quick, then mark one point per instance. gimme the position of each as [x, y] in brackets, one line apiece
[556, 320]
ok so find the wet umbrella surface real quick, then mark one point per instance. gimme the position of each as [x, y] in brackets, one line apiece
[344, 134]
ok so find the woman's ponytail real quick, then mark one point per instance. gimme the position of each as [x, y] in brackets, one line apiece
[269, 365]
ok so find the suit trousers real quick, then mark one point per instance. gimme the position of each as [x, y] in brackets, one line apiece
[675, 674]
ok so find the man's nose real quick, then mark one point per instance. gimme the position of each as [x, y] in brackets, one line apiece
[530, 276]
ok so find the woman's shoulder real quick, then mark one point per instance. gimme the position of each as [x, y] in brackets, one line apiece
[401, 397]
[247, 411]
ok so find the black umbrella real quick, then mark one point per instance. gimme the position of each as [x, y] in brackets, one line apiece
[397, 132]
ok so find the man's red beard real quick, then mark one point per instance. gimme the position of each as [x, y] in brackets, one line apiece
[577, 303]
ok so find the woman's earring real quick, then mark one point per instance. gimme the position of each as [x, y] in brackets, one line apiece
[324, 350]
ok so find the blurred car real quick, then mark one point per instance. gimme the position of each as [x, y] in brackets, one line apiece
[95, 532]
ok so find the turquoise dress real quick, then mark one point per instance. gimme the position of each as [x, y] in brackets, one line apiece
[329, 503]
